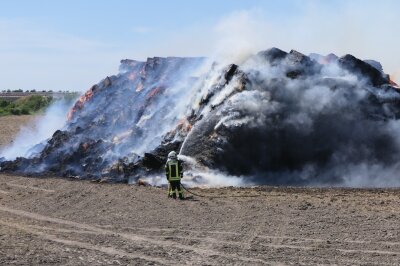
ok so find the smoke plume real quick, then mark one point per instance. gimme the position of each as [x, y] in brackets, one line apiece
[273, 118]
[29, 139]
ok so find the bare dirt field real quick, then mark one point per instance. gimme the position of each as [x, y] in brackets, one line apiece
[53, 221]
[10, 126]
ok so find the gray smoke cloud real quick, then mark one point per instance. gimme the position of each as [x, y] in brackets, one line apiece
[327, 127]
[25, 144]
[275, 118]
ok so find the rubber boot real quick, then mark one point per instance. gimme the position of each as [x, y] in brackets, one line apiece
[169, 191]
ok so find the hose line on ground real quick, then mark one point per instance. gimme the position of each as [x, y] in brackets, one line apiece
[209, 196]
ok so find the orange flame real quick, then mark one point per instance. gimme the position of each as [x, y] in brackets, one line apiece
[155, 91]
[80, 103]
[184, 125]
[394, 77]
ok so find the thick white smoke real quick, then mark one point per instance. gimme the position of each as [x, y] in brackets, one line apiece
[38, 130]
[296, 109]
[362, 28]
[233, 40]
[274, 108]
[197, 175]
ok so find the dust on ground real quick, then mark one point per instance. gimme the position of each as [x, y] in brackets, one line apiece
[54, 221]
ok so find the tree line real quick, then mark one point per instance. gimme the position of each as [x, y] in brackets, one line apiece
[36, 91]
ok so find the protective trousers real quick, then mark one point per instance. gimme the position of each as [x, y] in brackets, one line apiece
[173, 187]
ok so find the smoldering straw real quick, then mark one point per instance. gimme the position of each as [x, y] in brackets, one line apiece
[278, 118]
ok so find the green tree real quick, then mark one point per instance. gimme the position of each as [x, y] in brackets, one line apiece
[4, 103]
[15, 111]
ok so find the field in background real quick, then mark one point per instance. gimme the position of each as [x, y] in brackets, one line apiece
[53, 221]
[25, 103]
[10, 126]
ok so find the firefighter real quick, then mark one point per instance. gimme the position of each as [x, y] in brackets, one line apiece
[174, 173]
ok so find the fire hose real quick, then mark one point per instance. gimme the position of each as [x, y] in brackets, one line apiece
[221, 196]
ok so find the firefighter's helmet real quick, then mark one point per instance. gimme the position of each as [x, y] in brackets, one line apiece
[172, 155]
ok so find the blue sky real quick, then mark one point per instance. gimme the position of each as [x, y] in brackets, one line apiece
[70, 44]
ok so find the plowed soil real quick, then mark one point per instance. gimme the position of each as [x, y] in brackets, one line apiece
[53, 221]
[10, 126]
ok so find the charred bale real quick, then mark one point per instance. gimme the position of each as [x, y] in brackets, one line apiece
[273, 55]
[152, 161]
[298, 65]
[360, 67]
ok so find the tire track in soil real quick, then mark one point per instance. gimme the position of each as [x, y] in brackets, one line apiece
[107, 250]
[305, 239]
[321, 260]
[282, 228]
[61, 230]
[380, 252]
[132, 237]
[30, 187]
[277, 241]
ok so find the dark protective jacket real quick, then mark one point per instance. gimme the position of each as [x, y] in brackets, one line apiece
[174, 170]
